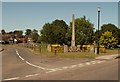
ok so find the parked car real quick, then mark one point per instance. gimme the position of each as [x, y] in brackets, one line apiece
[2, 42]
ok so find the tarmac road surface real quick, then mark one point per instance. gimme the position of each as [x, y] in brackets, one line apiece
[21, 64]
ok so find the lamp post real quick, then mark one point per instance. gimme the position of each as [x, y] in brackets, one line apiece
[98, 28]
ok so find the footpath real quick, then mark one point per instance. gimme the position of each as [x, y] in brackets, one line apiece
[108, 57]
[1, 49]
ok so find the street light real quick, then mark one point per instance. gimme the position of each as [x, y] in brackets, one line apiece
[98, 28]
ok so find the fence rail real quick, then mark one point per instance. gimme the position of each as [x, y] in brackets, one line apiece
[33, 46]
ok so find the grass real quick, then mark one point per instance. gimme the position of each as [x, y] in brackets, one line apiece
[109, 52]
[77, 55]
[90, 55]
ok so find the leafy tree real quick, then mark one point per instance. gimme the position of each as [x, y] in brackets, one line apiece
[34, 35]
[108, 40]
[55, 32]
[83, 31]
[10, 32]
[3, 31]
[111, 28]
[39, 40]
[18, 33]
[28, 32]
[61, 24]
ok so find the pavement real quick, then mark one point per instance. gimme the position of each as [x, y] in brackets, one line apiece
[1, 49]
[107, 57]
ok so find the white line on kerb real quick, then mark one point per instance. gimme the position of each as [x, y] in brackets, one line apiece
[12, 78]
[34, 65]
[31, 75]
[21, 57]
[28, 62]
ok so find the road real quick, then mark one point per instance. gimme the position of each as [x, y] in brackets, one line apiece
[22, 64]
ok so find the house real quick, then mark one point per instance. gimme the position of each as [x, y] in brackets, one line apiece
[6, 38]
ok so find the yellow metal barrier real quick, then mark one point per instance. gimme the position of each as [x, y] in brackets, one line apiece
[57, 47]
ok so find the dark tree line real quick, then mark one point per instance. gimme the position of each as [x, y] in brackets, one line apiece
[58, 32]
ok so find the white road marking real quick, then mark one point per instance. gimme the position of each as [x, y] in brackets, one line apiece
[35, 65]
[100, 61]
[19, 55]
[29, 62]
[58, 69]
[51, 71]
[80, 65]
[88, 63]
[31, 75]
[12, 78]
[65, 67]
[93, 63]
[55, 69]
[72, 66]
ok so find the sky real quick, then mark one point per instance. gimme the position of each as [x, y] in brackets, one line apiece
[33, 15]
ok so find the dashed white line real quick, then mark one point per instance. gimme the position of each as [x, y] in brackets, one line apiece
[72, 66]
[100, 61]
[51, 71]
[88, 63]
[31, 75]
[58, 69]
[93, 63]
[15, 78]
[65, 67]
[80, 65]
[55, 69]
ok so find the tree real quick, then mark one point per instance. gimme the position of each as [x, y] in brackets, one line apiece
[55, 32]
[18, 33]
[28, 32]
[34, 35]
[108, 40]
[83, 31]
[3, 31]
[111, 28]
[61, 24]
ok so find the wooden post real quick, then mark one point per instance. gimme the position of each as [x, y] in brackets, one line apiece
[40, 48]
[55, 50]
